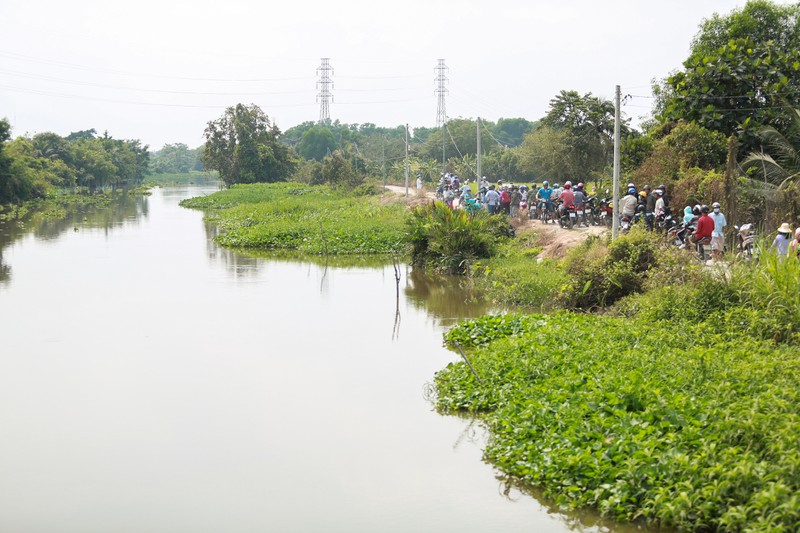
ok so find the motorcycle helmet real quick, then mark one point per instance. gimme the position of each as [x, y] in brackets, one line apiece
[631, 190]
[646, 188]
[555, 185]
[631, 186]
[715, 204]
[580, 185]
[567, 184]
[704, 209]
[658, 192]
[545, 183]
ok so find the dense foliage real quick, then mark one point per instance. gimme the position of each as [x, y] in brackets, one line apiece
[32, 167]
[242, 145]
[291, 217]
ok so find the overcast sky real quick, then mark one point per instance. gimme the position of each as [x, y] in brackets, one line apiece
[158, 71]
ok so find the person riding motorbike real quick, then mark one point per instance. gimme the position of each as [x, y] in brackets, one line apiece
[627, 204]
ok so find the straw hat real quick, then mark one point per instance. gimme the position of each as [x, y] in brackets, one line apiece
[785, 228]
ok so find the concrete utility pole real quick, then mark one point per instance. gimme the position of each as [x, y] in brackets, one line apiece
[406, 160]
[324, 85]
[615, 220]
[441, 113]
[478, 177]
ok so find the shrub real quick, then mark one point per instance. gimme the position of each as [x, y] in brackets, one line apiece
[603, 271]
[451, 240]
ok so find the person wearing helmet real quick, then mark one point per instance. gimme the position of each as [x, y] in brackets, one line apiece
[566, 196]
[627, 204]
[659, 208]
[580, 204]
[544, 197]
[705, 227]
[718, 235]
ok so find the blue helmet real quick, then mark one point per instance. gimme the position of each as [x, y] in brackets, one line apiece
[555, 185]
[545, 183]
[631, 191]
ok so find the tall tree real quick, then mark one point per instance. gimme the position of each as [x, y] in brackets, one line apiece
[243, 146]
[588, 122]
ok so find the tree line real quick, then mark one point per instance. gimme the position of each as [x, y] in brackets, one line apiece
[32, 167]
[723, 128]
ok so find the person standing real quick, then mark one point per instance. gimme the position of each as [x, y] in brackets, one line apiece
[795, 244]
[419, 185]
[782, 240]
[718, 235]
[492, 200]
[516, 199]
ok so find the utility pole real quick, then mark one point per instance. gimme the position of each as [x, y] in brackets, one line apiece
[324, 85]
[441, 112]
[615, 219]
[406, 160]
[478, 177]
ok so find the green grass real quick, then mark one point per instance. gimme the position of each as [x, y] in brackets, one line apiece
[515, 277]
[304, 219]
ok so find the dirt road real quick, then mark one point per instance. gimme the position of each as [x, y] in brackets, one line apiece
[555, 241]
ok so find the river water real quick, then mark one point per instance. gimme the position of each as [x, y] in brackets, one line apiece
[151, 381]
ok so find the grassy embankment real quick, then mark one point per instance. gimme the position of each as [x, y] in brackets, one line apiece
[305, 219]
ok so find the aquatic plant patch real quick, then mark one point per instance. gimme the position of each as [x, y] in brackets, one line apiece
[304, 219]
[698, 430]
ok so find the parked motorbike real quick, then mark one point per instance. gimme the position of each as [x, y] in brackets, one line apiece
[745, 241]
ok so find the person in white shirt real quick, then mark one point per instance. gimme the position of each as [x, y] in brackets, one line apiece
[718, 235]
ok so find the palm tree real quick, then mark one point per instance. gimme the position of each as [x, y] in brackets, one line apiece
[778, 167]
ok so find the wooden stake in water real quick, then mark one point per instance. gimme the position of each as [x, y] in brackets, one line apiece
[469, 364]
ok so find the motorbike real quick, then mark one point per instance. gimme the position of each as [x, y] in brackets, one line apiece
[665, 221]
[592, 211]
[745, 241]
[567, 216]
[679, 234]
[606, 208]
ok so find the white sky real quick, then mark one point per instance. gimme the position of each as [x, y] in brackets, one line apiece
[159, 70]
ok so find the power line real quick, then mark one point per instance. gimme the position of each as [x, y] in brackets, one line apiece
[75, 66]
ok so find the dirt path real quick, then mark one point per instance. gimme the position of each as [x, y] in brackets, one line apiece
[555, 241]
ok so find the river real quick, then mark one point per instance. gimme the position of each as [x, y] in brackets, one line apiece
[151, 381]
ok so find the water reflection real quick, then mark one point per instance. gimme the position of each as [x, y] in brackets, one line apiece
[448, 298]
[122, 209]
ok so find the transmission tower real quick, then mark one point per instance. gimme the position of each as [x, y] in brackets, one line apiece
[441, 91]
[324, 86]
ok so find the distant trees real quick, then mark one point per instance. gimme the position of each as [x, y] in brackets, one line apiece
[243, 146]
[32, 167]
[176, 158]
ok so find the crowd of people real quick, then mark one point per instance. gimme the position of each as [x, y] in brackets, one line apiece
[705, 226]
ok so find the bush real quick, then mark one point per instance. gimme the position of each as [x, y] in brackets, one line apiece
[449, 240]
[603, 271]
